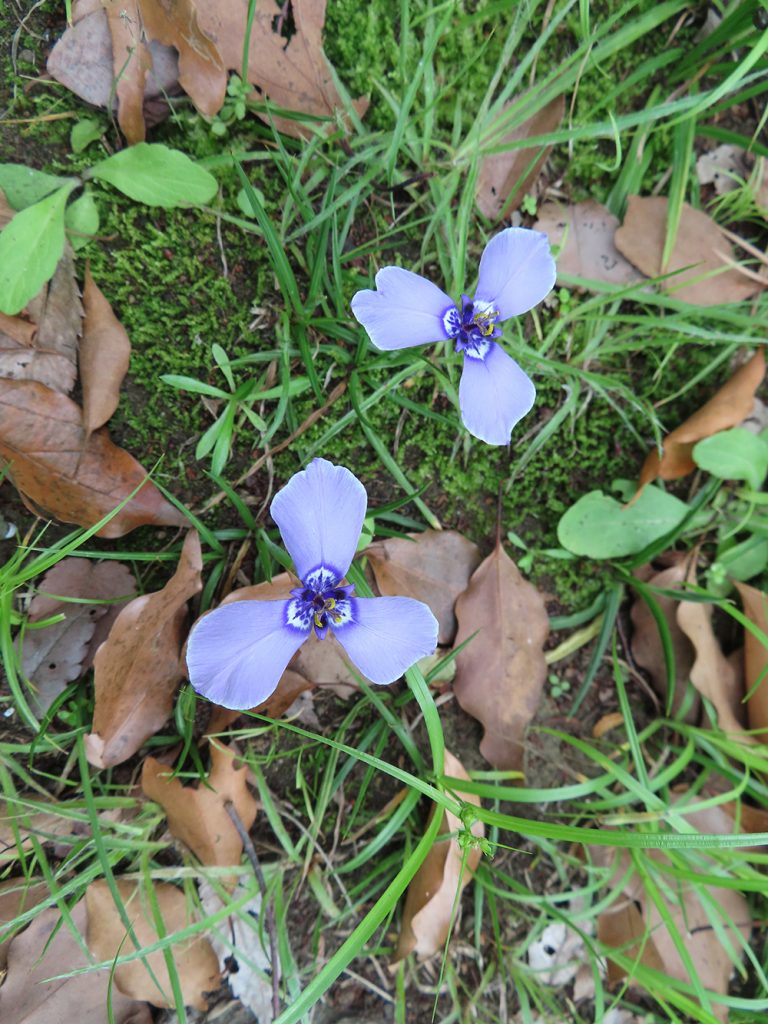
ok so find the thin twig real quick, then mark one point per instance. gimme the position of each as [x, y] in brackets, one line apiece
[267, 910]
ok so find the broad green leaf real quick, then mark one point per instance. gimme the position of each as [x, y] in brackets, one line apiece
[734, 454]
[30, 247]
[84, 132]
[82, 220]
[156, 175]
[599, 527]
[745, 559]
[24, 186]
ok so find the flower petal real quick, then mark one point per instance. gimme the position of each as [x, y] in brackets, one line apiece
[320, 513]
[405, 310]
[516, 271]
[494, 394]
[387, 635]
[237, 653]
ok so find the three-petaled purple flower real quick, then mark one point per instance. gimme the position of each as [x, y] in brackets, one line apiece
[237, 653]
[516, 272]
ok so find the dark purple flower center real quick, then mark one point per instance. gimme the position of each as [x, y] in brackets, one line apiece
[473, 328]
[320, 602]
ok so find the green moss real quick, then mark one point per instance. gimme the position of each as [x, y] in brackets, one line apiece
[162, 272]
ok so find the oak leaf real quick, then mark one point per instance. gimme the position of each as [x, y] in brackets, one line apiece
[701, 253]
[500, 673]
[74, 479]
[727, 408]
[505, 177]
[587, 229]
[137, 669]
[105, 353]
[445, 871]
[433, 567]
[198, 816]
[62, 652]
[46, 949]
[196, 964]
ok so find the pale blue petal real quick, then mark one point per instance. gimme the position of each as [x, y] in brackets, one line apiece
[237, 653]
[406, 309]
[494, 394]
[387, 635]
[320, 513]
[516, 271]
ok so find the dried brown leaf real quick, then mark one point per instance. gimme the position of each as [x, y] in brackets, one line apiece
[201, 73]
[17, 896]
[105, 353]
[197, 816]
[433, 567]
[196, 963]
[647, 649]
[431, 895]
[82, 60]
[295, 74]
[690, 910]
[755, 656]
[48, 353]
[727, 408]
[60, 653]
[43, 441]
[712, 673]
[37, 954]
[500, 673]
[137, 669]
[17, 329]
[697, 246]
[505, 177]
[131, 63]
[589, 251]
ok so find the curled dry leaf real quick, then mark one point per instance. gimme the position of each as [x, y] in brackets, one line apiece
[647, 649]
[505, 177]
[137, 669]
[699, 246]
[433, 567]
[445, 871]
[727, 408]
[196, 963]
[105, 352]
[712, 673]
[45, 949]
[60, 653]
[197, 816]
[587, 229]
[73, 479]
[82, 61]
[755, 656]
[634, 924]
[43, 347]
[500, 673]
[127, 44]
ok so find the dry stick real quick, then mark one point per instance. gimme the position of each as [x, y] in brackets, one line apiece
[269, 914]
[313, 417]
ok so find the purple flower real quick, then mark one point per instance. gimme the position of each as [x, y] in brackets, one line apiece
[516, 272]
[238, 652]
